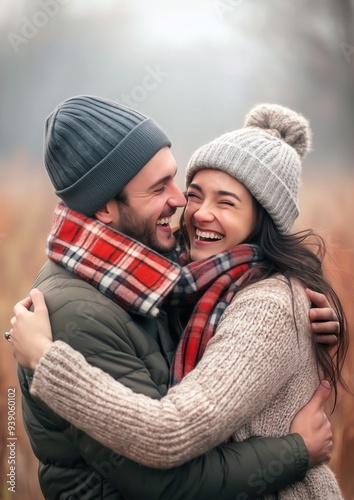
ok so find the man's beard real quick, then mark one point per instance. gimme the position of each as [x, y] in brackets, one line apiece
[141, 230]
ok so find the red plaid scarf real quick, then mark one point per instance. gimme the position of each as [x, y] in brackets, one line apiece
[213, 281]
[127, 272]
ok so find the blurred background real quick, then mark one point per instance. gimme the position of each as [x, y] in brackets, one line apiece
[197, 68]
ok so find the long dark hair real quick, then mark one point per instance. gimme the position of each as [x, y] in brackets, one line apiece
[298, 255]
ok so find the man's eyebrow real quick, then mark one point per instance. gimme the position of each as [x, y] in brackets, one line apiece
[162, 180]
[220, 193]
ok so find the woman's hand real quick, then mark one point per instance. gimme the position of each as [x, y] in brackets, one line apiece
[31, 334]
[324, 321]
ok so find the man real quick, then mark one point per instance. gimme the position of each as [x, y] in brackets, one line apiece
[111, 164]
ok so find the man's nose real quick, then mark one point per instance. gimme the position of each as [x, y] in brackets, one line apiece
[177, 198]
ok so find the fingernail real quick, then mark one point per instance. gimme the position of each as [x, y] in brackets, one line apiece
[326, 384]
[313, 314]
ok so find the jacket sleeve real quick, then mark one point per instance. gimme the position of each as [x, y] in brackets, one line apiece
[242, 470]
[234, 379]
[107, 340]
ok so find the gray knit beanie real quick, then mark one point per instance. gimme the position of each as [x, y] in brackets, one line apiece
[94, 147]
[265, 156]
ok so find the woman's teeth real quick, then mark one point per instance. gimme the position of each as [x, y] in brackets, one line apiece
[207, 235]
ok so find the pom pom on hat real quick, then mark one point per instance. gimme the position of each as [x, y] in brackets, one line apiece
[284, 124]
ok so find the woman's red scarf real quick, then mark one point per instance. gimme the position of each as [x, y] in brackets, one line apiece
[209, 286]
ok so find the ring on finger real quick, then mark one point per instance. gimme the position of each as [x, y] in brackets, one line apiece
[7, 336]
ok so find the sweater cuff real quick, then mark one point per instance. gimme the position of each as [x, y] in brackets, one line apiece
[49, 367]
[301, 453]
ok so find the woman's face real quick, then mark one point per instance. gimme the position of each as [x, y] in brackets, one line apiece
[219, 214]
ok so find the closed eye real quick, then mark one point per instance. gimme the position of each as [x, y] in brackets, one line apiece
[229, 203]
[160, 189]
[193, 195]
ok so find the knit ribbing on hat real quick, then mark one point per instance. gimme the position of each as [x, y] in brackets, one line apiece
[94, 147]
[259, 157]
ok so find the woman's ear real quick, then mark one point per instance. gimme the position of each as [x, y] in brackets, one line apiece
[109, 213]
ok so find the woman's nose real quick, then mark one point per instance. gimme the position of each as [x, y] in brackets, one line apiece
[204, 213]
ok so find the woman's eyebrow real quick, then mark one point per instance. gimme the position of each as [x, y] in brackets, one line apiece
[219, 193]
[228, 193]
[195, 186]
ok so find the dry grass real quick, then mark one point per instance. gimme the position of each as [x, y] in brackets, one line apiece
[328, 206]
[25, 217]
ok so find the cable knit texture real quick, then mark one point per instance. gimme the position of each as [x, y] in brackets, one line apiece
[257, 371]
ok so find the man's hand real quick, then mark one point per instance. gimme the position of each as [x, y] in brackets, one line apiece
[31, 334]
[324, 321]
[312, 424]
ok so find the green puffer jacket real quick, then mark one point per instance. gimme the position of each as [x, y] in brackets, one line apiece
[136, 351]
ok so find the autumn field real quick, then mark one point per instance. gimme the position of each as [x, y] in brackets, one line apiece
[25, 216]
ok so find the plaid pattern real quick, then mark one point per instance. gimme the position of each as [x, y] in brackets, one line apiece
[210, 284]
[127, 272]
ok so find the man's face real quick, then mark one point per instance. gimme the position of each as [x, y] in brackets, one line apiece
[152, 197]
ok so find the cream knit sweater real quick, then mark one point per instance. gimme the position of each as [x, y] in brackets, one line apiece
[257, 371]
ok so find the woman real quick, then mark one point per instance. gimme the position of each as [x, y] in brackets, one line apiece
[246, 356]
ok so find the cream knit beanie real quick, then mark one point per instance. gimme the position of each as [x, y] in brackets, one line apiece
[265, 156]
